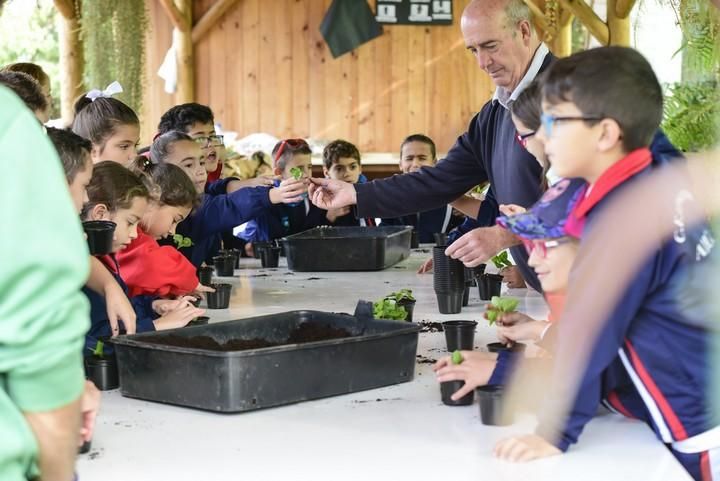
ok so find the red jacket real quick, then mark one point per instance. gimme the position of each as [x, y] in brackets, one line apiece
[216, 174]
[148, 268]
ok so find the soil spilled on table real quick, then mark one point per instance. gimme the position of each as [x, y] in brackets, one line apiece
[428, 326]
[305, 332]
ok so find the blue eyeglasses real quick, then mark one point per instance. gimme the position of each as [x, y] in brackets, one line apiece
[549, 120]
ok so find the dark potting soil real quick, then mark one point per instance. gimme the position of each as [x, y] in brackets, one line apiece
[428, 326]
[306, 332]
[424, 360]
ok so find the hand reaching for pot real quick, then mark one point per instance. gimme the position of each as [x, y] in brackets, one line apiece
[427, 266]
[475, 370]
[524, 448]
[178, 317]
[89, 405]
[518, 327]
[119, 309]
[163, 306]
[200, 289]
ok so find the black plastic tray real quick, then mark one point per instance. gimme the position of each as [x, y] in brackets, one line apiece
[347, 248]
[380, 353]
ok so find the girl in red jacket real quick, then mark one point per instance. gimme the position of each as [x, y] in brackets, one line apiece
[147, 267]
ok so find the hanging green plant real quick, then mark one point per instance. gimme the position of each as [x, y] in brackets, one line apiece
[692, 115]
[113, 35]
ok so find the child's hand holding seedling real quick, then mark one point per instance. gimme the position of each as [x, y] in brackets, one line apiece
[473, 367]
[499, 306]
[289, 191]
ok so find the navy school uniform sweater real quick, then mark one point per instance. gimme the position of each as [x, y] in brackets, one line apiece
[660, 333]
[198, 236]
[99, 324]
[428, 222]
[280, 220]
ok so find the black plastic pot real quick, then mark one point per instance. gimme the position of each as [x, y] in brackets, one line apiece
[466, 296]
[102, 371]
[414, 240]
[258, 247]
[500, 347]
[198, 321]
[409, 308]
[234, 253]
[440, 239]
[220, 299]
[196, 302]
[99, 236]
[491, 406]
[448, 273]
[85, 448]
[459, 335]
[489, 285]
[204, 274]
[478, 271]
[447, 389]
[224, 265]
[449, 302]
[270, 257]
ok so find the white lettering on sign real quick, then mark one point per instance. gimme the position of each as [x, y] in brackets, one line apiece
[386, 13]
[419, 13]
[442, 9]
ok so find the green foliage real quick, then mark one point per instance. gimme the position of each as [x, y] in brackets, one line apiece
[99, 349]
[181, 241]
[389, 309]
[31, 36]
[401, 295]
[692, 115]
[296, 172]
[457, 357]
[113, 34]
[502, 260]
[500, 305]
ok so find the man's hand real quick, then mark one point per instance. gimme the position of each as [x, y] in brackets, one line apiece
[331, 194]
[479, 245]
[524, 448]
[334, 214]
[288, 192]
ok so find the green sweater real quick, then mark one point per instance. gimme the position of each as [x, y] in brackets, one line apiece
[43, 265]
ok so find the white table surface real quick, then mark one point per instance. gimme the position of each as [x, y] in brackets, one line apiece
[401, 432]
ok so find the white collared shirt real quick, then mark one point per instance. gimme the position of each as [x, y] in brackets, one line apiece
[505, 98]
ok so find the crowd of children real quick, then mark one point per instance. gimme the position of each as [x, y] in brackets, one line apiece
[171, 207]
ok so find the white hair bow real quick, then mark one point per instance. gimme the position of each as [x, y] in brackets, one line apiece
[110, 90]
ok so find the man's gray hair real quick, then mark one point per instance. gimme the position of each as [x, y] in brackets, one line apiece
[517, 11]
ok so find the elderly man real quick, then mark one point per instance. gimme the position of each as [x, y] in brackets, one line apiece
[500, 36]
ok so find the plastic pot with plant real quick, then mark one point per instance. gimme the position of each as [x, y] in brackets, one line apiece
[393, 304]
[101, 368]
[448, 388]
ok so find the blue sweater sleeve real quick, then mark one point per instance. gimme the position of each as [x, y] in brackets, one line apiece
[223, 212]
[610, 338]
[430, 187]
[486, 217]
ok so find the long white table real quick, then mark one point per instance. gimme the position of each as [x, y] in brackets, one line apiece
[401, 432]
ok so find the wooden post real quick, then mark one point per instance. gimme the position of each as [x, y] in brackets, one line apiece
[210, 18]
[589, 18]
[618, 27]
[182, 38]
[71, 59]
[562, 43]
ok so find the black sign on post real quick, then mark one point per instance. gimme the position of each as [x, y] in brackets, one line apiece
[414, 12]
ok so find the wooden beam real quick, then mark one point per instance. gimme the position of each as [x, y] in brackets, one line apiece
[589, 18]
[71, 66]
[210, 18]
[562, 43]
[623, 8]
[538, 14]
[66, 8]
[185, 62]
[175, 15]
[618, 27]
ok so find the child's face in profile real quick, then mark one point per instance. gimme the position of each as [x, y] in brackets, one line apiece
[346, 169]
[78, 186]
[552, 262]
[188, 155]
[214, 153]
[126, 221]
[533, 143]
[302, 162]
[120, 147]
[414, 156]
[162, 220]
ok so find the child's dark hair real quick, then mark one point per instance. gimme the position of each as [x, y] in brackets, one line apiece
[162, 146]
[181, 117]
[337, 149]
[97, 120]
[420, 138]
[610, 82]
[527, 108]
[286, 149]
[113, 186]
[174, 187]
[32, 69]
[25, 87]
[74, 151]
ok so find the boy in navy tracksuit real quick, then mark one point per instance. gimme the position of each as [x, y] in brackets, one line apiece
[601, 109]
[418, 151]
[270, 222]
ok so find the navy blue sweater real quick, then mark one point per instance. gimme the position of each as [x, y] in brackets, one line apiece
[218, 212]
[280, 220]
[428, 222]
